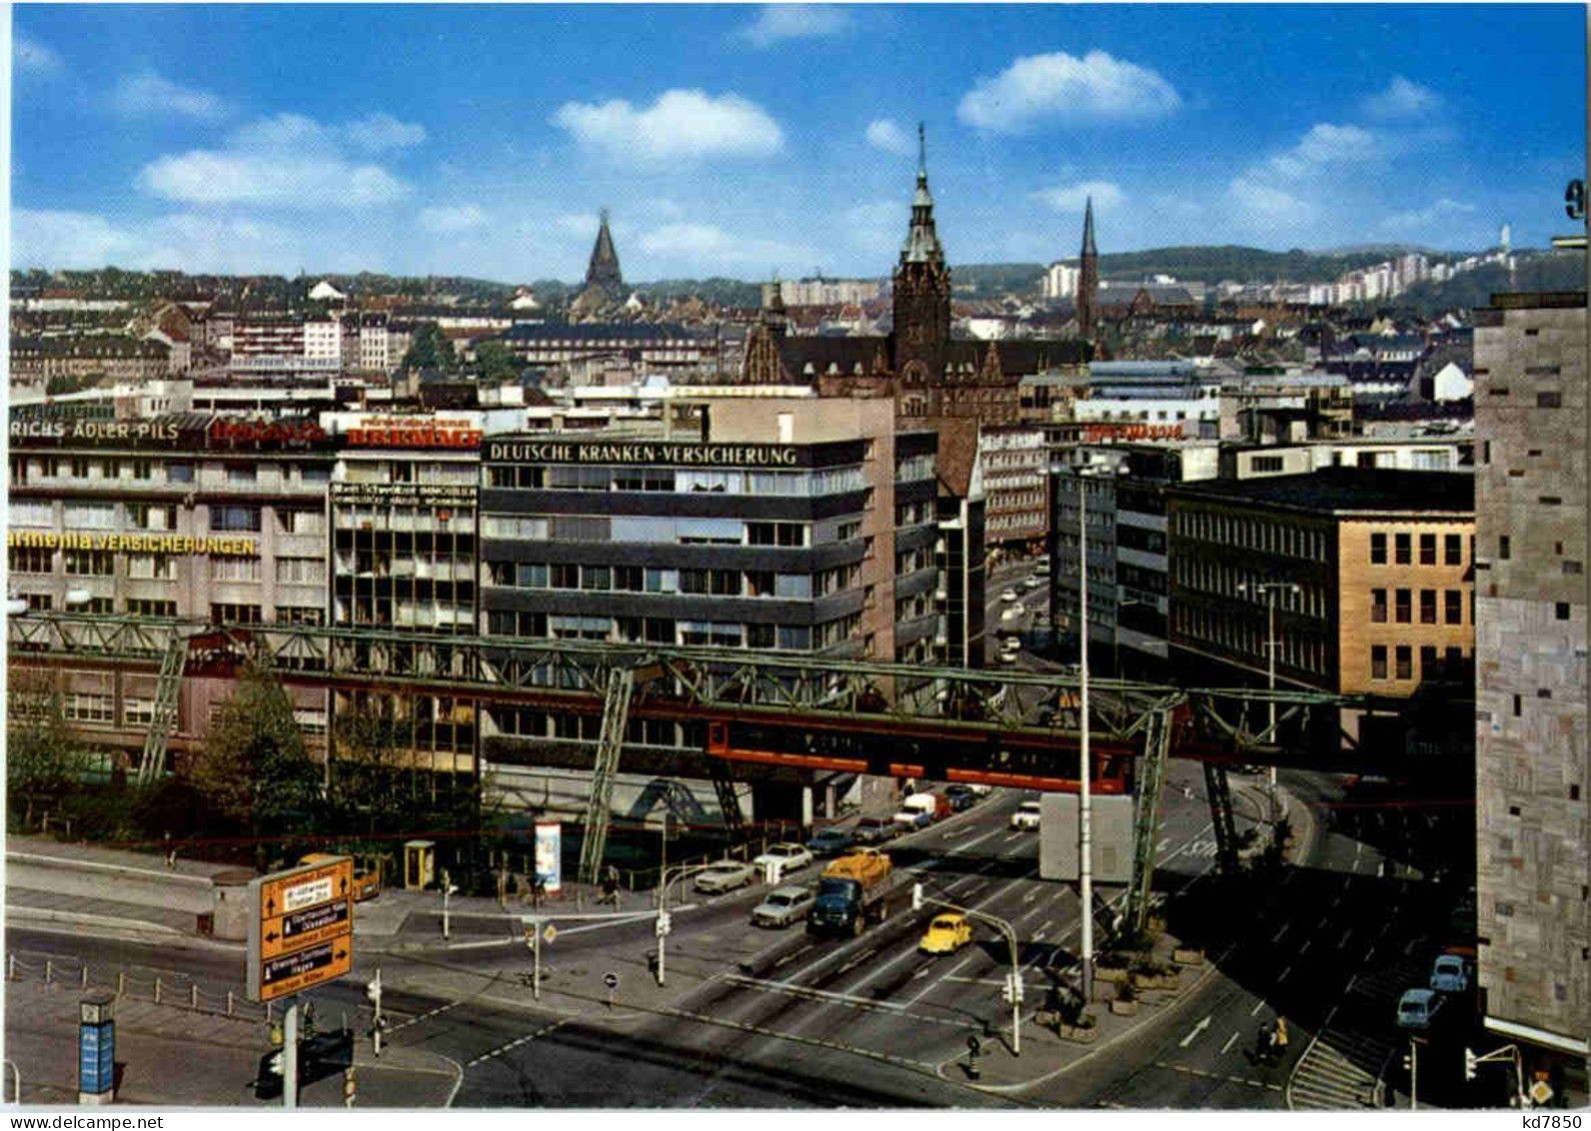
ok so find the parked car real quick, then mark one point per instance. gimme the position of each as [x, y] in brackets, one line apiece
[782, 906]
[788, 857]
[960, 797]
[1008, 596]
[875, 830]
[1026, 817]
[1449, 974]
[830, 842]
[1416, 1008]
[1033, 582]
[726, 875]
[947, 934]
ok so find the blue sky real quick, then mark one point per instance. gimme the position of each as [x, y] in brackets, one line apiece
[748, 141]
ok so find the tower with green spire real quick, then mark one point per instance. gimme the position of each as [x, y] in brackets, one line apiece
[921, 289]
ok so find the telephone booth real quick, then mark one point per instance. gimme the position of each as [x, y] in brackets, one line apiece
[419, 864]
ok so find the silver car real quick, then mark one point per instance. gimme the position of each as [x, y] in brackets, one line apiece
[782, 906]
[726, 875]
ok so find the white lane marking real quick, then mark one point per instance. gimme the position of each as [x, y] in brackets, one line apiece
[514, 1044]
[1324, 919]
[1013, 836]
[1305, 948]
[1356, 865]
[1259, 1005]
[1230, 1041]
[1194, 1032]
[1282, 977]
[1346, 935]
[1161, 847]
[1031, 896]
[1277, 937]
[1352, 978]
[1369, 953]
[1408, 947]
[1358, 846]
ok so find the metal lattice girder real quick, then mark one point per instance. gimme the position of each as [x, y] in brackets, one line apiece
[610, 743]
[687, 682]
[164, 720]
[728, 799]
[1221, 817]
[1146, 818]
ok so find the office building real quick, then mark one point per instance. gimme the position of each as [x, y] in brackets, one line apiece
[1533, 836]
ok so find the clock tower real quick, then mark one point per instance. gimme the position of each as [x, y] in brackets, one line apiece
[922, 291]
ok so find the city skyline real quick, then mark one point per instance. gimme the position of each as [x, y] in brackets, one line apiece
[430, 140]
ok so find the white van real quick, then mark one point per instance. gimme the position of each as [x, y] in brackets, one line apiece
[917, 810]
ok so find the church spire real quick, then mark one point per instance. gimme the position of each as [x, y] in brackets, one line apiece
[1087, 277]
[603, 272]
[922, 241]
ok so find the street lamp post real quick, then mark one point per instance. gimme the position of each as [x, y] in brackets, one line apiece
[1270, 589]
[1005, 929]
[664, 925]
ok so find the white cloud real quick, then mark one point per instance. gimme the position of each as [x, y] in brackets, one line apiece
[453, 218]
[706, 244]
[1437, 212]
[1073, 198]
[81, 240]
[288, 161]
[30, 57]
[886, 135]
[1402, 99]
[377, 132]
[1265, 203]
[1064, 88]
[1326, 144]
[207, 177]
[148, 95]
[680, 125]
[778, 22]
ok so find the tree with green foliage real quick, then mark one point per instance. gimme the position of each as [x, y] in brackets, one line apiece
[496, 362]
[253, 768]
[44, 761]
[429, 349]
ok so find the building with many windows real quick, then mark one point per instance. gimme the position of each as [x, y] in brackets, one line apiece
[1374, 585]
[805, 526]
[190, 515]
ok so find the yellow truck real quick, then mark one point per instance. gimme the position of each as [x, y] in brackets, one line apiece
[851, 893]
[367, 875]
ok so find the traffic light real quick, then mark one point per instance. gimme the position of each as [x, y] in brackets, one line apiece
[917, 897]
[1408, 1061]
[1470, 1063]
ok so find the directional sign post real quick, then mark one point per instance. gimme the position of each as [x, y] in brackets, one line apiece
[301, 930]
[611, 980]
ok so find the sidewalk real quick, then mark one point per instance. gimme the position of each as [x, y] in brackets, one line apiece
[221, 1053]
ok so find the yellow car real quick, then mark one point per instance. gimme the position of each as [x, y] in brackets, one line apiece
[946, 935]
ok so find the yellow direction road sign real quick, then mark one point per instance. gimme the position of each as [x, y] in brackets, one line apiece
[301, 932]
[549, 932]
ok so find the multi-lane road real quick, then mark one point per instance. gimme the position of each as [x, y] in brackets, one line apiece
[757, 1018]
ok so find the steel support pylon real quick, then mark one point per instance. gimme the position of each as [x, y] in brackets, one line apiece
[164, 719]
[1146, 819]
[610, 742]
[728, 799]
[1221, 817]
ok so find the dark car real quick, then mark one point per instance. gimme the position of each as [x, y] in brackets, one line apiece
[830, 842]
[960, 797]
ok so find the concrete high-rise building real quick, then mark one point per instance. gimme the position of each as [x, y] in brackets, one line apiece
[1533, 825]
